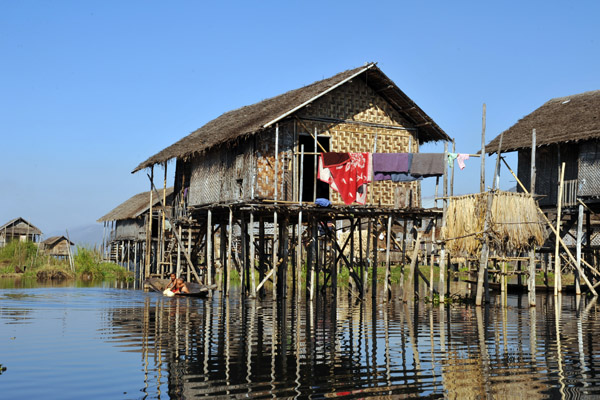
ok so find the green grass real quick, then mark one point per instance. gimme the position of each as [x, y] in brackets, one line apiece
[88, 264]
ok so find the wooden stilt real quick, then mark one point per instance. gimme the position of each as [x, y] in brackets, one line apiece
[261, 255]
[209, 249]
[313, 257]
[285, 238]
[486, 226]
[189, 253]
[299, 256]
[149, 228]
[409, 284]
[579, 239]
[244, 261]
[275, 256]
[442, 288]
[387, 293]
[557, 277]
[252, 257]
[178, 273]
[375, 262]
[229, 245]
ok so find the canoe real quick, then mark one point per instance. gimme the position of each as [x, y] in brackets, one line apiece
[196, 290]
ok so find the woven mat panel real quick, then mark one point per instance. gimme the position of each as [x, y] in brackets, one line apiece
[589, 169]
[265, 164]
[356, 101]
[206, 179]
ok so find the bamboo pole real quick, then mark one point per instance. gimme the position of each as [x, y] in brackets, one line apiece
[189, 252]
[149, 228]
[209, 248]
[482, 178]
[178, 273]
[566, 249]
[275, 257]
[579, 240]
[387, 293]
[252, 257]
[486, 226]
[409, 284]
[442, 288]
[229, 244]
[316, 136]
[557, 277]
[531, 278]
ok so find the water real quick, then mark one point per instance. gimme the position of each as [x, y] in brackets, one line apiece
[108, 342]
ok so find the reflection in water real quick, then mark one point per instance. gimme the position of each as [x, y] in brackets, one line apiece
[234, 347]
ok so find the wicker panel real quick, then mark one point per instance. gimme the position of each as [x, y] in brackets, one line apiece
[589, 169]
[356, 101]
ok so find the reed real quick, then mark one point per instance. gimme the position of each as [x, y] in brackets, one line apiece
[515, 224]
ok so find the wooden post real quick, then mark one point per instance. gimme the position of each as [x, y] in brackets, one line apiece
[261, 254]
[315, 166]
[531, 278]
[189, 252]
[483, 261]
[374, 266]
[452, 176]
[275, 257]
[162, 226]
[557, 277]
[149, 229]
[409, 284]
[209, 248]
[313, 257]
[387, 293]
[579, 240]
[229, 244]
[252, 257]
[178, 273]
[442, 288]
[284, 256]
[299, 256]
[482, 178]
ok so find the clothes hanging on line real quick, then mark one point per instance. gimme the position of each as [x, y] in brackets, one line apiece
[461, 160]
[347, 177]
[427, 164]
[386, 164]
[451, 158]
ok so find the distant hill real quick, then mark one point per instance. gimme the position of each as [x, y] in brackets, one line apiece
[84, 235]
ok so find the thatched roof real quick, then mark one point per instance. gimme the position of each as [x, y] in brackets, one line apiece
[20, 226]
[251, 119]
[53, 240]
[563, 119]
[135, 206]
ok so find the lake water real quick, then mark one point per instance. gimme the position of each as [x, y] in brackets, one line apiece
[114, 342]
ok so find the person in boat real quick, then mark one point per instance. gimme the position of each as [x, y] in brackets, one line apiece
[172, 282]
[180, 287]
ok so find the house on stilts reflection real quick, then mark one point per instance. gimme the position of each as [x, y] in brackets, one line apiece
[253, 171]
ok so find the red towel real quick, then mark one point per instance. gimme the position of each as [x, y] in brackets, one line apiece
[347, 178]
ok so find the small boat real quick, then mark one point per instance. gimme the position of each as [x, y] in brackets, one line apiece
[196, 290]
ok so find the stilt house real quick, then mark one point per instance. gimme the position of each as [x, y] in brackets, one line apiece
[19, 229]
[128, 226]
[260, 161]
[563, 130]
[237, 156]
[56, 246]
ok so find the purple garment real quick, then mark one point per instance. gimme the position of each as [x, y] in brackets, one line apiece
[386, 164]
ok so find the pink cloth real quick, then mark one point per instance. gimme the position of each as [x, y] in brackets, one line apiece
[461, 160]
[350, 178]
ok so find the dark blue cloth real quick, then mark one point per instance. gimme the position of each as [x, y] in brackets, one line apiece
[321, 202]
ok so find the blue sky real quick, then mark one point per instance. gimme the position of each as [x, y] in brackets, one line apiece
[89, 89]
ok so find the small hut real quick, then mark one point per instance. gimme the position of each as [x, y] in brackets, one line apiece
[56, 246]
[19, 229]
[128, 226]
[567, 129]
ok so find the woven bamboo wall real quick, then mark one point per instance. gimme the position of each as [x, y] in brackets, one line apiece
[357, 101]
[222, 175]
[265, 163]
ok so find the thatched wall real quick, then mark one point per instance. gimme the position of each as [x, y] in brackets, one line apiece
[589, 169]
[547, 170]
[356, 101]
[130, 229]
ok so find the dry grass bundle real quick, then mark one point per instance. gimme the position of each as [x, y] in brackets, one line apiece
[343, 236]
[515, 223]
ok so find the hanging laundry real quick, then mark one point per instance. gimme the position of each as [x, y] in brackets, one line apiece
[404, 177]
[349, 178]
[333, 159]
[461, 160]
[385, 164]
[428, 164]
[451, 158]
